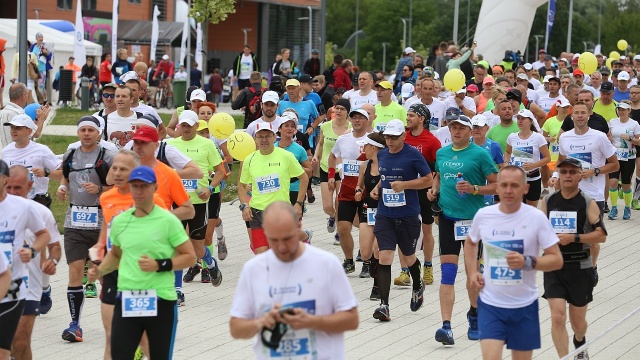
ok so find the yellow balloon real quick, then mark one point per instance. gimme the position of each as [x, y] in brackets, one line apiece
[221, 125]
[622, 45]
[240, 145]
[614, 55]
[609, 61]
[454, 80]
[587, 63]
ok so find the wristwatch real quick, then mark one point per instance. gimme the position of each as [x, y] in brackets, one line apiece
[46, 172]
[476, 189]
[34, 252]
[243, 206]
[576, 238]
[301, 203]
[596, 171]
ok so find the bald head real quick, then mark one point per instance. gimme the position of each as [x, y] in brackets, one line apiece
[18, 183]
[371, 110]
[279, 212]
[17, 92]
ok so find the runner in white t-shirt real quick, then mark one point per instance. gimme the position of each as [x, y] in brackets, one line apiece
[270, 101]
[120, 125]
[366, 94]
[459, 100]
[436, 107]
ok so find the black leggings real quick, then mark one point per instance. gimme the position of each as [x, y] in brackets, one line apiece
[161, 331]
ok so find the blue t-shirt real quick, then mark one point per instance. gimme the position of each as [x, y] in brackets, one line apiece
[307, 113]
[619, 96]
[301, 155]
[475, 164]
[494, 150]
[406, 165]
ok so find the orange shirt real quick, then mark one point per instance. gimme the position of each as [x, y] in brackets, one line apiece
[170, 186]
[554, 111]
[75, 69]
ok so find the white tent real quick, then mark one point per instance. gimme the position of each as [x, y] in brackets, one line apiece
[60, 42]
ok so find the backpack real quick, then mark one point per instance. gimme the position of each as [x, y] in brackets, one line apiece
[254, 109]
[100, 166]
[162, 153]
[105, 133]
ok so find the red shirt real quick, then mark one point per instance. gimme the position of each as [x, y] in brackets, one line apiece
[341, 79]
[349, 183]
[166, 67]
[105, 73]
[426, 143]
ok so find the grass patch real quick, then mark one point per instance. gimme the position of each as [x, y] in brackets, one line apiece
[58, 144]
[69, 116]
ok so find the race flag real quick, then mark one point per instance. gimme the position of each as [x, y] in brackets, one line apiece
[78, 42]
[185, 34]
[551, 13]
[114, 32]
[154, 33]
[199, 46]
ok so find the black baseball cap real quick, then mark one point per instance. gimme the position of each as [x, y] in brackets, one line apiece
[4, 168]
[570, 161]
[605, 71]
[606, 87]
[305, 78]
[354, 77]
[514, 94]
[452, 113]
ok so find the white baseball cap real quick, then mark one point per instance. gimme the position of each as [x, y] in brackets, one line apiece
[362, 112]
[409, 50]
[623, 75]
[623, 105]
[265, 126]
[198, 94]
[188, 117]
[270, 96]
[479, 120]
[22, 120]
[289, 116]
[523, 76]
[528, 66]
[546, 78]
[394, 127]
[407, 90]
[563, 102]
[637, 57]
[165, 57]
[128, 76]
[526, 113]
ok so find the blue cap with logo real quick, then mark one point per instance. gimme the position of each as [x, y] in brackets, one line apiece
[144, 174]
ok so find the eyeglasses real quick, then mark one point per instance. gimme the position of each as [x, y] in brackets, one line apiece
[570, 172]
[406, 70]
[392, 137]
[106, 96]
[341, 108]
[264, 137]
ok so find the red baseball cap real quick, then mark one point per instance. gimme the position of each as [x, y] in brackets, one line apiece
[578, 72]
[146, 134]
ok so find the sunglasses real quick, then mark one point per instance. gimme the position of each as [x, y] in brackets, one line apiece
[106, 96]
[571, 172]
[392, 137]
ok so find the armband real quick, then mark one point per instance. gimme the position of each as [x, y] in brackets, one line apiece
[599, 224]
[331, 173]
[164, 265]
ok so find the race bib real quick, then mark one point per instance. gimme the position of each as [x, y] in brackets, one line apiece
[294, 345]
[351, 167]
[143, 303]
[522, 155]
[371, 216]
[6, 244]
[268, 184]
[461, 229]
[519, 161]
[500, 273]
[25, 280]
[564, 222]
[82, 216]
[190, 184]
[381, 126]
[555, 149]
[391, 198]
[622, 154]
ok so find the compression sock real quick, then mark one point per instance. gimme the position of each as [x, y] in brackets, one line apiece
[414, 270]
[428, 264]
[45, 281]
[219, 231]
[446, 324]
[178, 281]
[75, 298]
[636, 191]
[208, 259]
[577, 343]
[473, 311]
[384, 282]
[613, 196]
[627, 195]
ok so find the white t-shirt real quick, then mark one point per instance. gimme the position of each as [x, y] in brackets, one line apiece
[533, 96]
[437, 109]
[347, 94]
[4, 264]
[546, 101]
[537, 65]
[410, 101]
[251, 128]
[177, 160]
[33, 155]
[535, 82]
[34, 282]
[120, 129]
[591, 149]
[266, 281]
[467, 102]
[625, 150]
[347, 148]
[444, 135]
[526, 151]
[145, 109]
[18, 215]
[492, 119]
[246, 67]
[180, 75]
[357, 99]
[526, 231]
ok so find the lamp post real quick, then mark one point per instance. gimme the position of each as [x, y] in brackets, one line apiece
[404, 32]
[570, 24]
[310, 18]
[355, 62]
[384, 56]
[410, 19]
[245, 31]
[537, 41]
[456, 15]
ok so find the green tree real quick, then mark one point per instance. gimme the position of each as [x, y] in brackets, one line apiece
[210, 12]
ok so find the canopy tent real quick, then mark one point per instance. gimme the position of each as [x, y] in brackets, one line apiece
[134, 32]
[60, 25]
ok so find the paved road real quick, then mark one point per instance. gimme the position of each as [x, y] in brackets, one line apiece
[203, 322]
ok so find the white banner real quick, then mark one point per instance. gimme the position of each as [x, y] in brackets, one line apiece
[199, 46]
[114, 31]
[78, 42]
[154, 33]
[183, 47]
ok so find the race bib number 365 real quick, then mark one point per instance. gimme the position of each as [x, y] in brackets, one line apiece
[139, 303]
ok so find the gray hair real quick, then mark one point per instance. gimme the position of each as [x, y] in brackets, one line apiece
[134, 155]
[16, 91]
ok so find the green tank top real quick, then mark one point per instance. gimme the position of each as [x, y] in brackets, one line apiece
[330, 138]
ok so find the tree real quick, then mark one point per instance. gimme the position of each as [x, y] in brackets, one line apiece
[210, 12]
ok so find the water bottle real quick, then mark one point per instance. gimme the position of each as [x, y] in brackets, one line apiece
[458, 179]
[199, 190]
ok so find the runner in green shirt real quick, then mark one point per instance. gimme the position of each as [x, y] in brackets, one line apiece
[386, 109]
[499, 133]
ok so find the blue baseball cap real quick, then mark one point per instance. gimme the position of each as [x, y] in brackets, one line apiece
[452, 113]
[144, 174]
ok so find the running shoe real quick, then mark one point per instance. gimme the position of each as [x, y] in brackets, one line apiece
[336, 239]
[473, 333]
[348, 267]
[417, 298]
[181, 301]
[191, 273]
[596, 277]
[382, 313]
[331, 225]
[613, 213]
[444, 335]
[90, 291]
[364, 274]
[635, 204]
[404, 279]
[73, 333]
[222, 248]
[45, 301]
[311, 198]
[139, 355]
[359, 257]
[216, 276]
[375, 294]
[205, 277]
[427, 276]
[627, 213]
[606, 208]
[84, 277]
[309, 233]
[315, 180]
[582, 355]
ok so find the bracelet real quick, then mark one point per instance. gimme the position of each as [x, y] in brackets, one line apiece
[529, 262]
[331, 173]
[164, 265]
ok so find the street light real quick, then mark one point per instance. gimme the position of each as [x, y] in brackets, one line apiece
[404, 32]
[245, 31]
[37, 11]
[310, 18]
[537, 41]
[384, 56]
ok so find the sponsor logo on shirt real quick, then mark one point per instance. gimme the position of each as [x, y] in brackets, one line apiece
[453, 164]
[496, 232]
